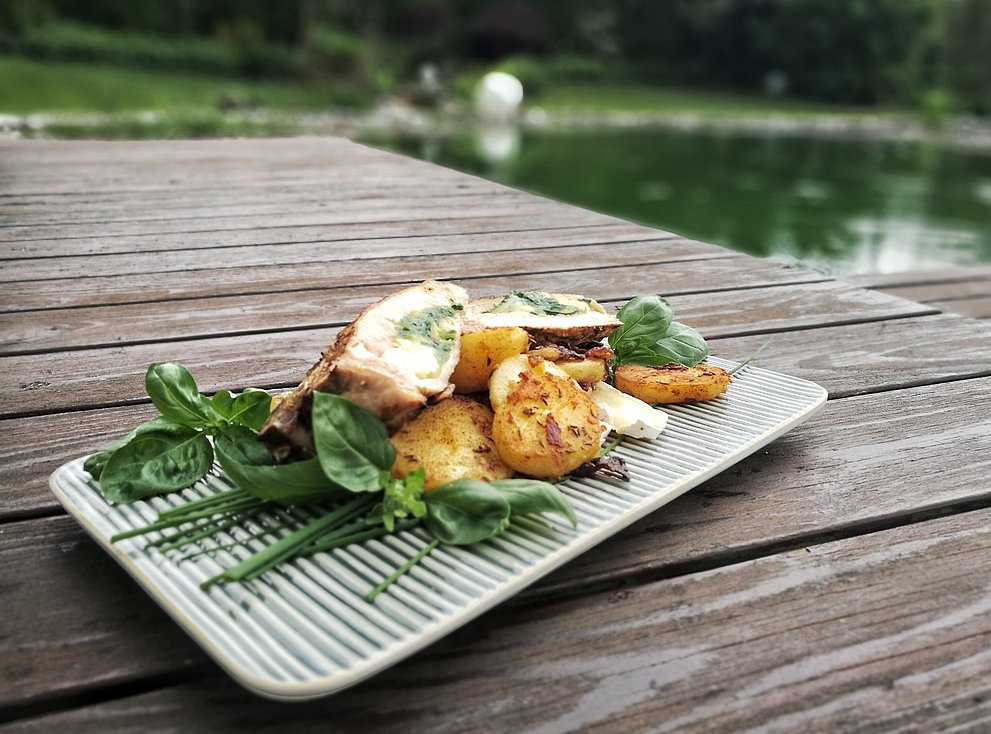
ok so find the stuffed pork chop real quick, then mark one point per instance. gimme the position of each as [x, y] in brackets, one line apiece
[396, 355]
[549, 318]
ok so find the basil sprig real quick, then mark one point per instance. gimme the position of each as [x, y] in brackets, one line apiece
[172, 451]
[650, 335]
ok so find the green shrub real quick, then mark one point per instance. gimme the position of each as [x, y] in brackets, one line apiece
[64, 40]
[332, 52]
[936, 107]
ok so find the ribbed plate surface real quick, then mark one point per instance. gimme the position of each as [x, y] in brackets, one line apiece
[304, 630]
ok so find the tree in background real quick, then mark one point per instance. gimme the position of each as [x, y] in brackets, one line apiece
[967, 54]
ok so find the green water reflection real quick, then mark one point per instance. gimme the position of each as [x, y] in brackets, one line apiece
[837, 205]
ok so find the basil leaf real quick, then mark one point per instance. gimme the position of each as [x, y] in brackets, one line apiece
[529, 496]
[466, 511]
[251, 467]
[173, 391]
[223, 403]
[352, 444]
[645, 319]
[251, 408]
[156, 462]
[681, 344]
[95, 463]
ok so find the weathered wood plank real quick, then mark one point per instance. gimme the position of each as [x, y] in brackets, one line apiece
[40, 241]
[232, 200]
[119, 167]
[885, 630]
[126, 631]
[129, 323]
[965, 290]
[975, 308]
[960, 274]
[466, 222]
[43, 282]
[870, 357]
[36, 447]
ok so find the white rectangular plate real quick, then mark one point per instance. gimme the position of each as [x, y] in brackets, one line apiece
[304, 630]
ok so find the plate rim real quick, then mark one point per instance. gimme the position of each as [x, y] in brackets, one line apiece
[294, 691]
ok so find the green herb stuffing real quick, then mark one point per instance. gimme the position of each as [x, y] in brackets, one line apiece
[537, 302]
[425, 327]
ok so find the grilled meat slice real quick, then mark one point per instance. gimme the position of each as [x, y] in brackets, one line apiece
[396, 355]
[550, 318]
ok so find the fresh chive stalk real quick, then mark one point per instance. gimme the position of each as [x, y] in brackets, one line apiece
[399, 572]
[338, 540]
[287, 548]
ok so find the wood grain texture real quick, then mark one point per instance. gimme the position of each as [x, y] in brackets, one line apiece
[976, 307]
[54, 330]
[884, 355]
[231, 261]
[963, 291]
[421, 224]
[37, 446]
[780, 643]
[126, 631]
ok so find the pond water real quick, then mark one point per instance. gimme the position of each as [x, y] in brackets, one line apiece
[841, 206]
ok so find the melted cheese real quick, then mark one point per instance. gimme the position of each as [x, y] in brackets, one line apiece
[626, 414]
[415, 357]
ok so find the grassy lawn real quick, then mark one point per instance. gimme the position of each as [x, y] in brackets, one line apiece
[659, 100]
[28, 86]
[186, 105]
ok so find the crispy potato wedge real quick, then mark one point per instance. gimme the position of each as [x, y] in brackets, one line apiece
[481, 351]
[545, 425]
[672, 383]
[450, 440]
[584, 371]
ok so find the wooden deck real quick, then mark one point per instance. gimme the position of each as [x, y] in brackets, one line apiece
[965, 290]
[837, 580]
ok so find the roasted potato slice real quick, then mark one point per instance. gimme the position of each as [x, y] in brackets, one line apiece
[450, 440]
[672, 383]
[545, 425]
[481, 351]
[584, 371]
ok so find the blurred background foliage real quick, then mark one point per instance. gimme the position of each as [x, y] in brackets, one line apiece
[931, 54]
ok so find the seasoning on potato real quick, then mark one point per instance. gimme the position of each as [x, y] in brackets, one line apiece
[545, 425]
[450, 440]
[671, 383]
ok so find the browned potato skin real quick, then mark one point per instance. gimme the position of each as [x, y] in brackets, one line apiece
[672, 383]
[546, 426]
[481, 351]
[450, 440]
